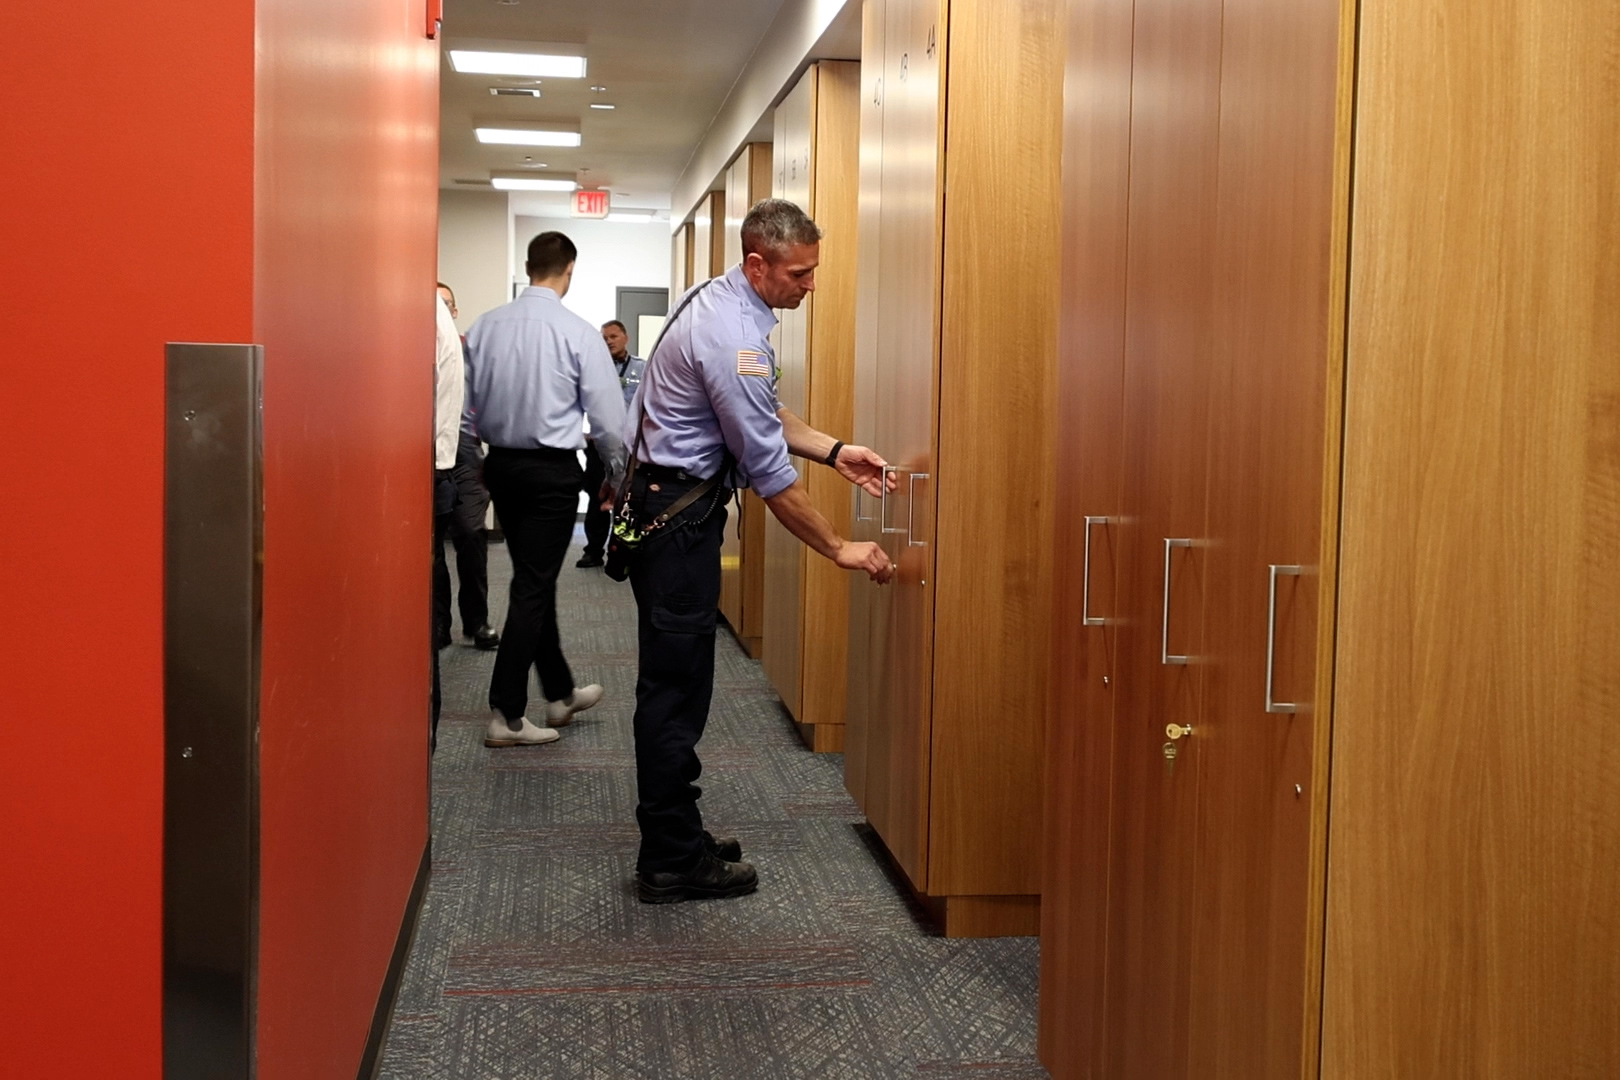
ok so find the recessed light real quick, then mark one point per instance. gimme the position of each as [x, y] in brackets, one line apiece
[530, 183]
[480, 62]
[602, 105]
[526, 137]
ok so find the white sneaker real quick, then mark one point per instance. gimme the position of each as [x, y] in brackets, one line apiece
[528, 735]
[561, 713]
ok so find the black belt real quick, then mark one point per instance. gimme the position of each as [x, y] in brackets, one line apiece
[665, 474]
[543, 453]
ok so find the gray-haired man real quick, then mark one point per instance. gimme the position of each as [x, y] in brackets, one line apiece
[708, 404]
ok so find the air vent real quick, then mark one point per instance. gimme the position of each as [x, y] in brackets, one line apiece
[514, 91]
[474, 183]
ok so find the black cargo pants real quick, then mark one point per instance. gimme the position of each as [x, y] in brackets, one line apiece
[676, 579]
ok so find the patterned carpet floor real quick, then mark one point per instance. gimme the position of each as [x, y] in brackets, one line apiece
[533, 958]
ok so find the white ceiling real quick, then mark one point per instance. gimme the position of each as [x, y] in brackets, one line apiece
[668, 65]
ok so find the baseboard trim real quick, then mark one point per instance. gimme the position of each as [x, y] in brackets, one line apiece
[371, 1061]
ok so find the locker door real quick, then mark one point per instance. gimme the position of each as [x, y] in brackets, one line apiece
[783, 617]
[1086, 616]
[906, 396]
[1274, 279]
[1163, 542]
[861, 738]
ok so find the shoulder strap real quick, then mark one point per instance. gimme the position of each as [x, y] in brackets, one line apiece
[646, 384]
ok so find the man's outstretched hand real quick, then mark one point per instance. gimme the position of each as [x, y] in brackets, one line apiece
[862, 467]
[863, 555]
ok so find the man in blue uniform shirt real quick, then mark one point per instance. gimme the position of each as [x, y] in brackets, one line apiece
[708, 407]
[598, 520]
[535, 371]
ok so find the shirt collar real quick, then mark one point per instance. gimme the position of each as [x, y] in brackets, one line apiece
[759, 310]
[540, 291]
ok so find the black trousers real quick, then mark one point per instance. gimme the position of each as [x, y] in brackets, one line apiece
[536, 494]
[443, 494]
[597, 520]
[676, 578]
[462, 521]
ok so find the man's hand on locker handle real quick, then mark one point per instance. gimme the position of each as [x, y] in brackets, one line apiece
[793, 509]
[867, 556]
[863, 468]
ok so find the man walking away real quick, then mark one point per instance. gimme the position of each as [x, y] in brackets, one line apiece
[535, 372]
[598, 520]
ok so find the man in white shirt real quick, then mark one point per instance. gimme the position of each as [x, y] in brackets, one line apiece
[449, 391]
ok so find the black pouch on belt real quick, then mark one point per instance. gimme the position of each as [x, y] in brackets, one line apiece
[629, 533]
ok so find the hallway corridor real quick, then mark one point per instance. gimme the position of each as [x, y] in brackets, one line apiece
[534, 960]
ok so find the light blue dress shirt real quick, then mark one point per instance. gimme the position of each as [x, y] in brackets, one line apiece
[710, 385]
[535, 370]
[630, 377]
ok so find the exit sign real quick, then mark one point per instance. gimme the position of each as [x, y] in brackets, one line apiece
[591, 204]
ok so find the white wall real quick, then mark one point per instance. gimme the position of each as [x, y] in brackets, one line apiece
[611, 254]
[475, 251]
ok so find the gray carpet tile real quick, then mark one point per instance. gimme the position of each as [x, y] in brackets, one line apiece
[534, 960]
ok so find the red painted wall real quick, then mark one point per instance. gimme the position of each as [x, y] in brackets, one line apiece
[139, 209]
[126, 197]
[345, 256]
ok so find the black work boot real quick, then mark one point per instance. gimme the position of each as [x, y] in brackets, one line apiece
[728, 849]
[711, 879]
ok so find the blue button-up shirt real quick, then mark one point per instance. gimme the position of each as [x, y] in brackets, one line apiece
[711, 385]
[630, 373]
[535, 370]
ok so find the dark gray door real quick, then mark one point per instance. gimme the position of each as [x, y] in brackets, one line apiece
[634, 303]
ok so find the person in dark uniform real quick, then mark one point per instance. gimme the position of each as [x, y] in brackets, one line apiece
[708, 411]
[597, 519]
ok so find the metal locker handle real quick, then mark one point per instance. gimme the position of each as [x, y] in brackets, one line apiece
[1271, 639]
[1086, 618]
[911, 510]
[1164, 638]
[883, 500]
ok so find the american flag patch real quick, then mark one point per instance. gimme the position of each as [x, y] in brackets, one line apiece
[750, 362]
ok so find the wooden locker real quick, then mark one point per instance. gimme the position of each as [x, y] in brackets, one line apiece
[806, 597]
[863, 664]
[680, 276]
[955, 350]
[1451, 363]
[742, 555]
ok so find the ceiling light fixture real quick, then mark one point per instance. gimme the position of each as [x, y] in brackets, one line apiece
[623, 215]
[602, 105]
[530, 183]
[481, 62]
[526, 137]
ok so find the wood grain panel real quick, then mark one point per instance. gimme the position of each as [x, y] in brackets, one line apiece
[907, 406]
[1087, 437]
[1273, 279]
[836, 165]
[1175, 117]
[1475, 830]
[860, 738]
[997, 385]
[782, 651]
[680, 261]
